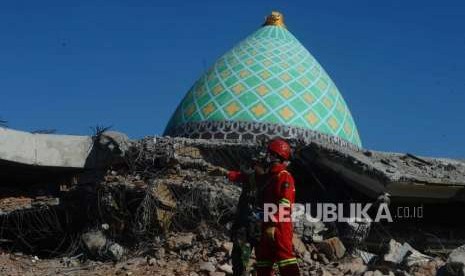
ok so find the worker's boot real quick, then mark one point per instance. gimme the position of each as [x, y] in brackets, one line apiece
[289, 270]
[236, 256]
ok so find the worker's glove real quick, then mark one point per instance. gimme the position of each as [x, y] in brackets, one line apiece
[269, 232]
[233, 175]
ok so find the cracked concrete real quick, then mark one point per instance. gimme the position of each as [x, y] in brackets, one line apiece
[61, 151]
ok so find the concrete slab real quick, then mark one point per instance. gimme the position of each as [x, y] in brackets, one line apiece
[48, 150]
[403, 176]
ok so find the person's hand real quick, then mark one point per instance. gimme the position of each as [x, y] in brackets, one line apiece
[269, 232]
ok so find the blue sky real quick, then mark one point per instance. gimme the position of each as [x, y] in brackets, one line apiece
[69, 65]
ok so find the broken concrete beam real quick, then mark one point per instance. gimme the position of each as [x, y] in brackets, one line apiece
[404, 176]
[51, 150]
[44, 149]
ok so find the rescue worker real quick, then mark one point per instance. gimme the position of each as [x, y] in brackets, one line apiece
[245, 230]
[275, 247]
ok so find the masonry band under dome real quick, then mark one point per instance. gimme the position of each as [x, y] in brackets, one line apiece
[268, 85]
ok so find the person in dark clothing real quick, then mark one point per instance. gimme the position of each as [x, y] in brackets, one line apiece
[246, 227]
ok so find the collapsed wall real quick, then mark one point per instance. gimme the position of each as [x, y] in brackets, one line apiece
[159, 185]
[152, 186]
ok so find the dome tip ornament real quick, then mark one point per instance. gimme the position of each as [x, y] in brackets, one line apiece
[275, 19]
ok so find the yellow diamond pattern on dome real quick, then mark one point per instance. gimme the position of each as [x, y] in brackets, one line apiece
[262, 90]
[238, 88]
[232, 108]
[269, 77]
[286, 113]
[312, 118]
[259, 110]
[286, 93]
[208, 109]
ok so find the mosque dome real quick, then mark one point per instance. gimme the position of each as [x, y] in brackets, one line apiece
[267, 86]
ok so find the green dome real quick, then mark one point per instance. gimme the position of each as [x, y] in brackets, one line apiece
[267, 79]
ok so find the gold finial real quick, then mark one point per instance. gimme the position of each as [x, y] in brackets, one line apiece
[275, 19]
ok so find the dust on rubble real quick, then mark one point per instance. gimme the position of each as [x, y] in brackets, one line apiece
[205, 253]
[169, 212]
[11, 264]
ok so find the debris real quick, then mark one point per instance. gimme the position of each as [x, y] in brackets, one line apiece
[160, 253]
[455, 262]
[217, 273]
[356, 231]
[309, 229]
[416, 257]
[333, 248]
[354, 267]
[171, 205]
[299, 246]
[207, 267]
[166, 205]
[35, 259]
[457, 255]
[151, 261]
[182, 241]
[452, 269]
[400, 253]
[323, 272]
[367, 153]
[367, 257]
[396, 252]
[115, 252]
[227, 247]
[226, 268]
[99, 246]
[322, 258]
[94, 241]
[418, 159]
[426, 269]
[116, 142]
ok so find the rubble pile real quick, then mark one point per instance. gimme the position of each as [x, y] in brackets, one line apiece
[206, 251]
[168, 210]
[165, 187]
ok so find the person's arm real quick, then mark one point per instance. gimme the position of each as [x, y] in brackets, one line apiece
[284, 194]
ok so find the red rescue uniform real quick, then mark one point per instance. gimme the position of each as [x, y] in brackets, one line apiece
[279, 190]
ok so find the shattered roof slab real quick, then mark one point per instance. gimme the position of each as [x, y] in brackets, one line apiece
[404, 176]
[46, 150]
[401, 175]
